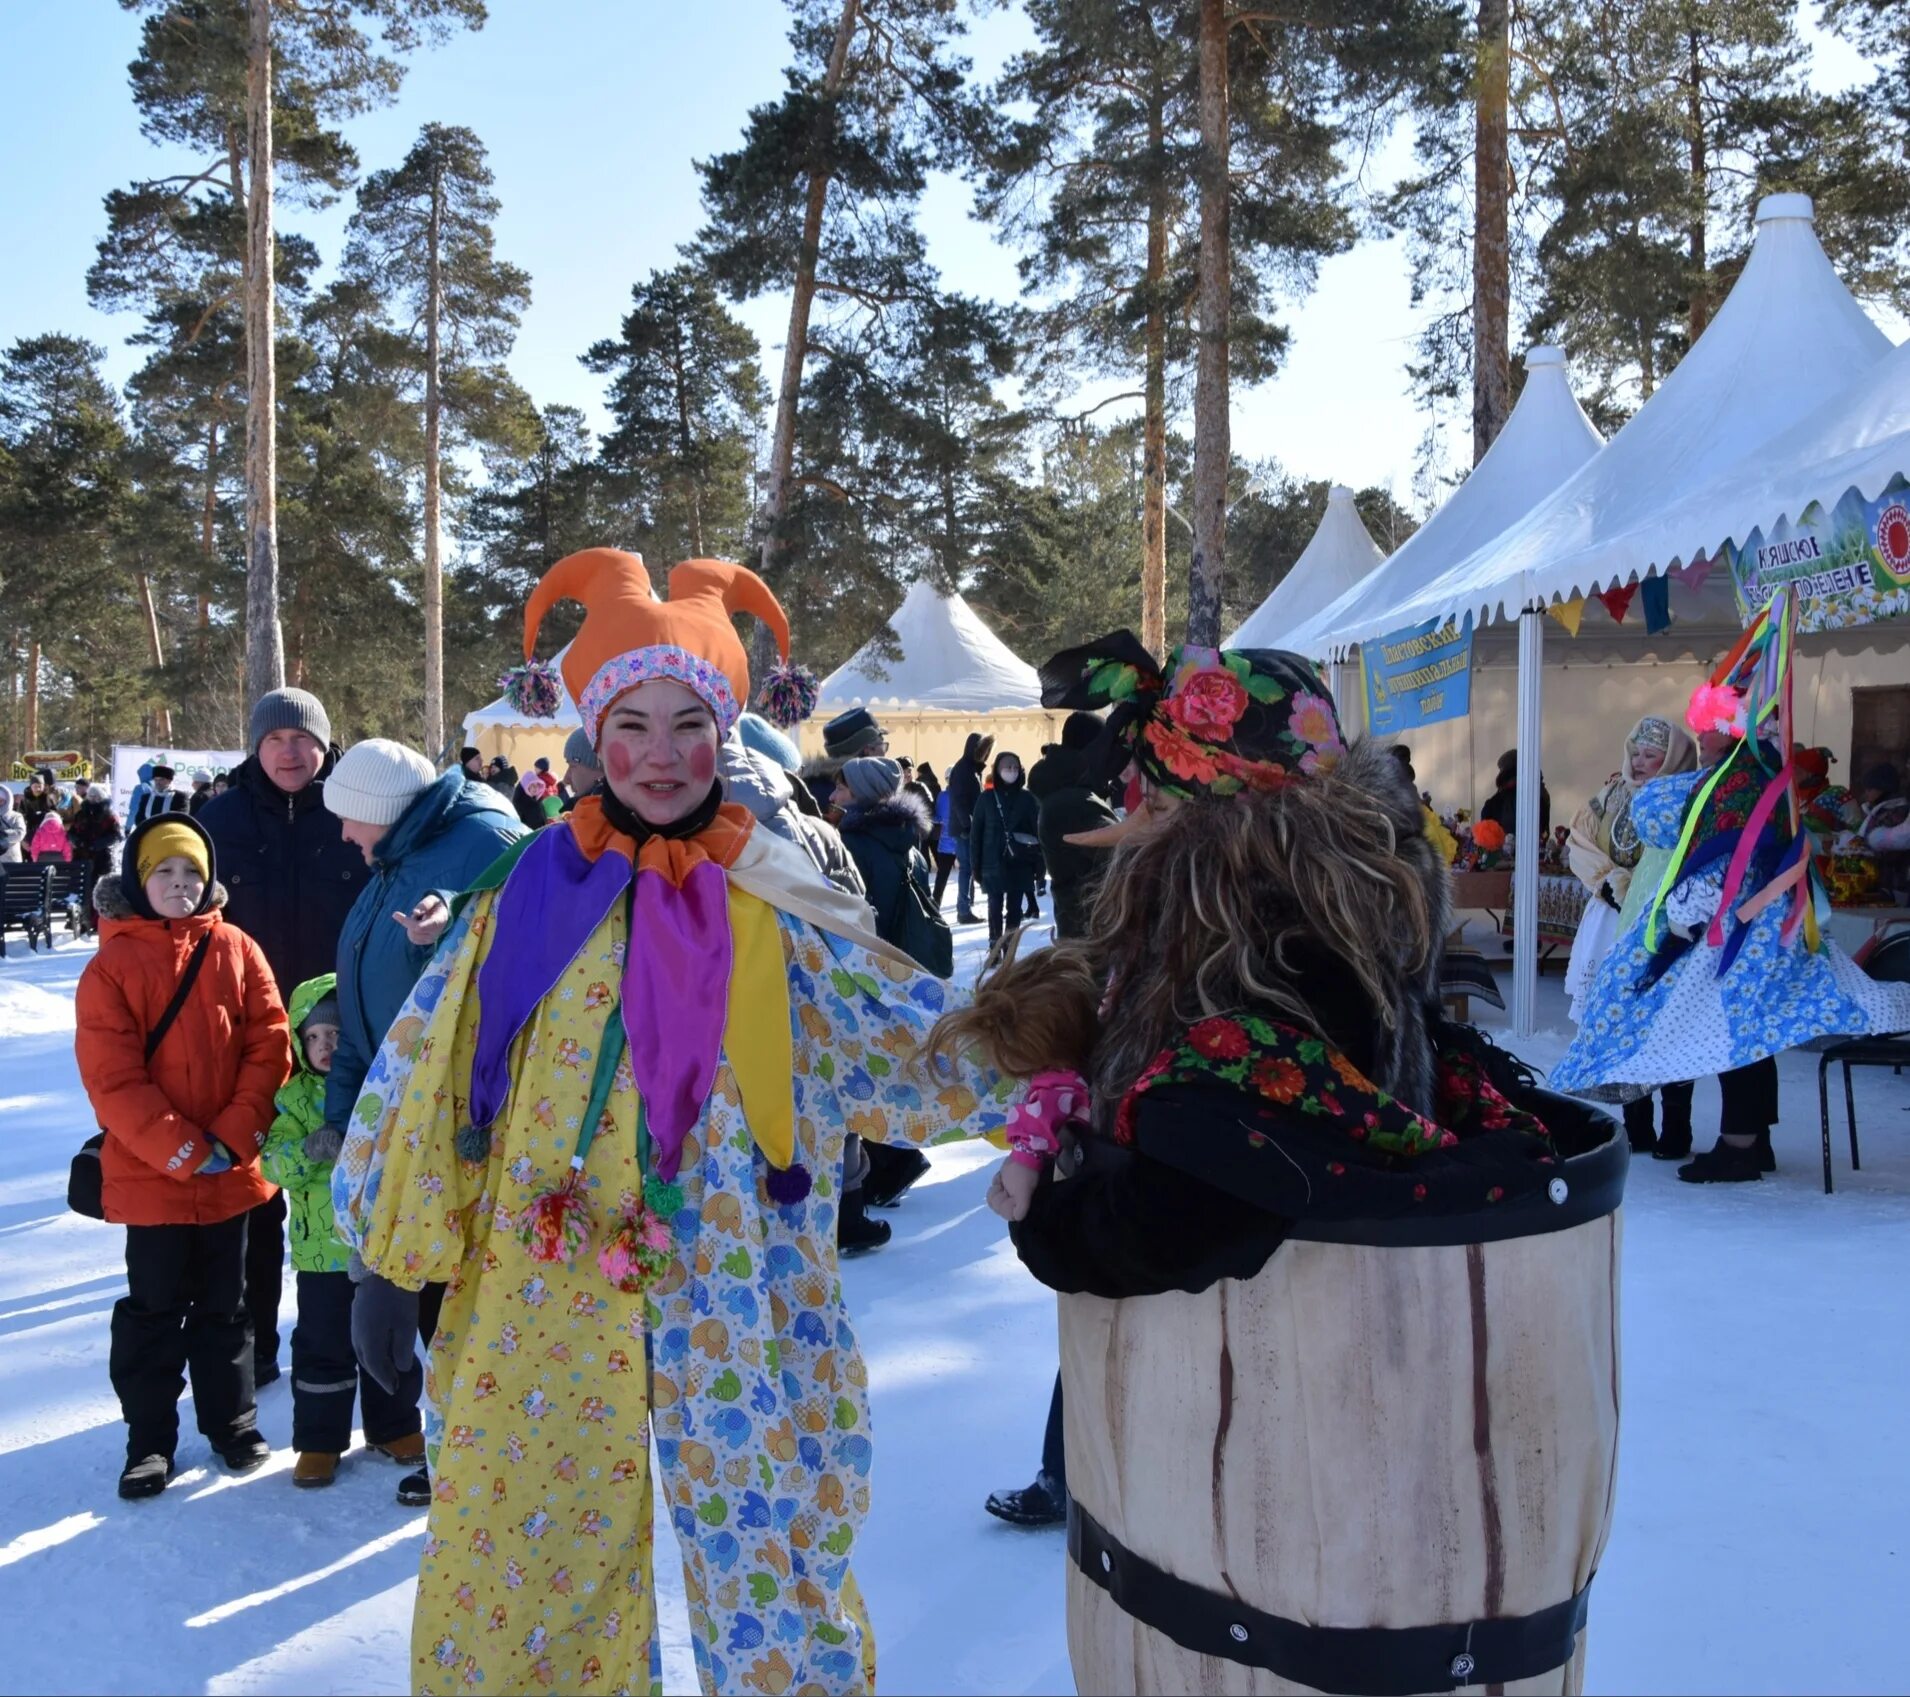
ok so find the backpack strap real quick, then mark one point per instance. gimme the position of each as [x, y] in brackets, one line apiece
[186, 980]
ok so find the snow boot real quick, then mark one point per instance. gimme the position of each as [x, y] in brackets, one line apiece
[145, 1476]
[1044, 1503]
[1766, 1155]
[314, 1468]
[407, 1451]
[856, 1233]
[1673, 1144]
[1638, 1128]
[244, 1453]
[891, 1173]
[1723, 1164]
[414, 1489]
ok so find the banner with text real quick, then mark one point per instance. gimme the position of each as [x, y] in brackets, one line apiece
[1849, 566]
[1418, 676]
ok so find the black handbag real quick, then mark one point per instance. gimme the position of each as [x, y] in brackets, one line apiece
[85, 1184]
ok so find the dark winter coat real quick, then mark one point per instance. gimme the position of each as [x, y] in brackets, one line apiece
[290, 875]
[885, 842]
[965, 787]
[1059, 783]
[448, 835]
[1502, 808]
[93, 830]
[33, 808]
[1002, 812]
[212, 1078]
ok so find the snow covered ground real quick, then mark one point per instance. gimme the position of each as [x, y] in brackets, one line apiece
[1763, 1510]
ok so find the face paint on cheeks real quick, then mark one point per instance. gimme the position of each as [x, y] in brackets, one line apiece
[618, 762]
[702, 763]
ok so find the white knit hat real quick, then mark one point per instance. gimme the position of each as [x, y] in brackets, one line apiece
[376, 780]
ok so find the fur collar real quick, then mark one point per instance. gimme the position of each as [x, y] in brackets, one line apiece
[110, 898]
[901, 810]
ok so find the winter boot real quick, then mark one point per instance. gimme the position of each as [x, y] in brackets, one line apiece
[407, 1451]
[414, 1489]
[1766, 1156]
[1722, 1164]
[1044, 1503]
[856, 1233]
[145, 1476]
[245, 1452]
[1674, 1143]
[891, 1172]
[1638, 1128]
[314, 1468]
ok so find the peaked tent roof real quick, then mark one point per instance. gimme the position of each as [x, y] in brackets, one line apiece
[500, 714]
[1340, 554]
[1787, 321]
[949, 660]
[1547, 438]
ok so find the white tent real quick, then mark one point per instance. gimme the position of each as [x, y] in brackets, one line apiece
[1788, 324]
[502, 728]
[951, 676]
[1340, 555]
[1547, 438]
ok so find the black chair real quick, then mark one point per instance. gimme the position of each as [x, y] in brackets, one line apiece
[1889, 964]
[23, 904]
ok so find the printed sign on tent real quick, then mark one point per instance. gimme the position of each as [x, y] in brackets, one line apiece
[1418, 676]
[1850, 566]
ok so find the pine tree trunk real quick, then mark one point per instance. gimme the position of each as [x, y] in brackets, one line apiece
[155, 645]
[264, 642]
[433, 450]
[1154, 417]
[1491, 266]
[686, 439]
[208, 534]
[33, 696]
[1700, 313]
[1213, 446]
[782, 448]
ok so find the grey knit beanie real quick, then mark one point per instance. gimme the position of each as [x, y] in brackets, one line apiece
[290, 710]
[872, 779]
[376, 780]
[577, 749]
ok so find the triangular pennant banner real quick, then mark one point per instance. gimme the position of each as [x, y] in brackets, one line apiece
[1692, 576]
[1654, 595]
[1569, 613]
[1618, 601]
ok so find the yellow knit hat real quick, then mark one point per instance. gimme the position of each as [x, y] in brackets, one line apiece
[167, 839]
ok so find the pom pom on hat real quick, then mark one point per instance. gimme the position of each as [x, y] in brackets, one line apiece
[376, 780]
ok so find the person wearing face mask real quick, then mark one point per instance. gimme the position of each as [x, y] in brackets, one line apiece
[1606, 855]
[610, 1117]
[1005, 846]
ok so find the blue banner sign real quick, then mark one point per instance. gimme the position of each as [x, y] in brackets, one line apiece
[1418, 676]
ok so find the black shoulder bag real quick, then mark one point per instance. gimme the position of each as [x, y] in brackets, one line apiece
[84, 1183]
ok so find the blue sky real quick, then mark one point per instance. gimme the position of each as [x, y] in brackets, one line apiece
[593, 111]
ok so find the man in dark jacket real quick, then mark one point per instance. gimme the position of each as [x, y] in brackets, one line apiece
[290, 880]
[1063, 786]
[1005, 845]
[964, 790]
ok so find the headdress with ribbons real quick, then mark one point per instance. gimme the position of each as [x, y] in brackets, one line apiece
[1749, 808]
[1212, 722]
[629, 637]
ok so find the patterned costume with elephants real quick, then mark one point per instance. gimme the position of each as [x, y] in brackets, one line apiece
[547, 1376]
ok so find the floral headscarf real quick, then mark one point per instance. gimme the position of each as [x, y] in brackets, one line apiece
[1213, 722]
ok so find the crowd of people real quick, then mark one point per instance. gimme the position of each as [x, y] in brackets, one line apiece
[584, 1081]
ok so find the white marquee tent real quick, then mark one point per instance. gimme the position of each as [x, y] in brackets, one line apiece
[1340, 555]
[951, 675]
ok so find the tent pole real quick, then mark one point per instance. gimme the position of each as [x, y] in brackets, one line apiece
[1343, 678]
[1525, 870]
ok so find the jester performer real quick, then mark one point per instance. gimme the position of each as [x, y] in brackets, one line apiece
[610, 1120]
[1725, 965]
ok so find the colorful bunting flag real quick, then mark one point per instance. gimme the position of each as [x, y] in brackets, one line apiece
[1654, 594]
[1618, 601]
[1568, 613]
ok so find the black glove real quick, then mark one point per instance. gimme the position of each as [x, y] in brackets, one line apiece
[323, 1144]
[384, 1330]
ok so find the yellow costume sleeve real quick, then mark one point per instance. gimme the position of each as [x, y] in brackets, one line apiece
[402, 1196]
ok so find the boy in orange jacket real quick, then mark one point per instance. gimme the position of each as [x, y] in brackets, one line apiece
[185, 1106]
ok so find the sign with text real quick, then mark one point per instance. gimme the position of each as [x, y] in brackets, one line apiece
[1418, 676]
[1849, 566]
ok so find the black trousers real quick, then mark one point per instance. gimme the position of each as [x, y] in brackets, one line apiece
[944, 865]
[1014, 892]
[183, 1314]
[325, 1374]
[265, 1275]
[1750, 1098]
[1054, 1450]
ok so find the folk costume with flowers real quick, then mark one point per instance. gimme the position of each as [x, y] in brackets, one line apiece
[610, 1119]
[1336, 1281]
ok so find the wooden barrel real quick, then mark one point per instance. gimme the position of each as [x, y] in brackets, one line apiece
[1385, 1464]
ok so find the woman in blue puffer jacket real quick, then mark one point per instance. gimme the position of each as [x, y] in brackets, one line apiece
[425, 838]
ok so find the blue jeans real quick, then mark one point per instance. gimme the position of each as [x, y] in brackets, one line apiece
[964, 876]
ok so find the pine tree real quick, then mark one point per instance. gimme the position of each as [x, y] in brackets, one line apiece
[686, 393]
[423, 232]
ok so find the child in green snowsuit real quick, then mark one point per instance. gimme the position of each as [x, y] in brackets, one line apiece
[298, 1156]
